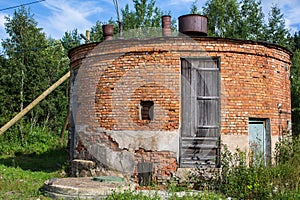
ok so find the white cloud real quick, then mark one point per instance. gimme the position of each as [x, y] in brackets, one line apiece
[292, 15]
[2, 20]
[182, 2]
[2, 27]
[66, 16]
[289, 8]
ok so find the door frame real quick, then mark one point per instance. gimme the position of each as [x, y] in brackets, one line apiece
[267, 136]
[217, 126]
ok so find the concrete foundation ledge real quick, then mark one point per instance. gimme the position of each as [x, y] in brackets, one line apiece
[83, 188]
[87, 188]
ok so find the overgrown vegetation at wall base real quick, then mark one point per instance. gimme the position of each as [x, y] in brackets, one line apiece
[155, 195]
[249, 177]
[258, 181]
[244, 177]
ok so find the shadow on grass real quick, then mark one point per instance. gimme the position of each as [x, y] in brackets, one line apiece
[49, 161]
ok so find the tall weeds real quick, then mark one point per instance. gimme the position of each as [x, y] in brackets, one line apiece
[248, 177]
[37, 139]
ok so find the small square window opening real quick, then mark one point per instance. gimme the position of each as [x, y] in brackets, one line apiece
[146, 110]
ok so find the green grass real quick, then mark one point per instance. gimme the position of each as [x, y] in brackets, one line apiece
[17, 183]
[26, 164]
[49, 161]
[22, 176]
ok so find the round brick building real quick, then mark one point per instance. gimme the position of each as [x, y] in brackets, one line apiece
[159, 104]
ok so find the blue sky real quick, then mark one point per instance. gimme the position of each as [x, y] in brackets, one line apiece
[59, 16]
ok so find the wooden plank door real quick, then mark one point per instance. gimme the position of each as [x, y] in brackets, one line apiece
[200, 132]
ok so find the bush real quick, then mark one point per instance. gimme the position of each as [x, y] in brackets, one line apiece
[288, 165]
[245, 177]
[30, 138]
[242, 180]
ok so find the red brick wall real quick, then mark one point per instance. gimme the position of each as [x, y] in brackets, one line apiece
[165, 164]
[136, 77]
[116, 75]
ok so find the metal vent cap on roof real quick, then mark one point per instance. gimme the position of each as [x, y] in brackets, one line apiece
[193, 25]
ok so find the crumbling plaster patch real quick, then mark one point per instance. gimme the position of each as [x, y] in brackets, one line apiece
[117, 160]
[148, 140]
[235, 141]
[128, 142]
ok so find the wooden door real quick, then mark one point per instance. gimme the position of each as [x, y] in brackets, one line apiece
[200, 128]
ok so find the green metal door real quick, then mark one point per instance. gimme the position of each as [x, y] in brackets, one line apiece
[257, 138]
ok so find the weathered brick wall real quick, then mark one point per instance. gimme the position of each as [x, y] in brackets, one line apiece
[135, 77]
[165, 163]
[115, 76]
[254, 78]
[76, 55]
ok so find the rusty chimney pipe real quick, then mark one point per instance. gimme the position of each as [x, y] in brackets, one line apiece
[193, 25]
[108, 31]
[166, 25]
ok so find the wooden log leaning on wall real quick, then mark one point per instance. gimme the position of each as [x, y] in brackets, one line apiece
[34, 103]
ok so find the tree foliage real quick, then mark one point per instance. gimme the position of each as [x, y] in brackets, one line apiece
[97, 32]
[32, 63]
[194, 8]
[245, 20]
[296, 41]
[70, 40]
[223, 17]
[145, 14]
[251, 21]
[295, 88]
[276, 31]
